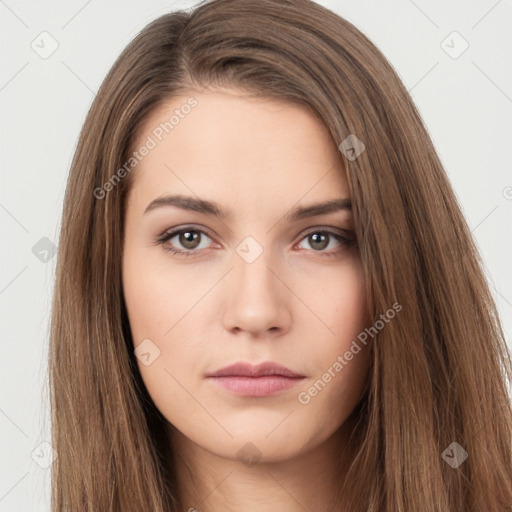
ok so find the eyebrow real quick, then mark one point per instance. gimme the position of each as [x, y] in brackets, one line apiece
[213, 209]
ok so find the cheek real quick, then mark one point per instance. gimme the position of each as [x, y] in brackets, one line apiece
[157, 299]
[340, 302]
[350, 313]
[164, 316]
[340, 361]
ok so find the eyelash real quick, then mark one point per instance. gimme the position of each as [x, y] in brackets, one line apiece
[165, 237]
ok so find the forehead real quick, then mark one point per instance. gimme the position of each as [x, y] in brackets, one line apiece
[233, 147]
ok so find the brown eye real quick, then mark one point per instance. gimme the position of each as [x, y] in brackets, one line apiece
[189, 239]
[185, 241]
[326, 242]
[319, 241]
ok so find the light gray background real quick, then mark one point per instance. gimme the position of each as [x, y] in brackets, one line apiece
[466, 103]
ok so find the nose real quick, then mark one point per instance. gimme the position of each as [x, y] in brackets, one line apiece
[256, 300]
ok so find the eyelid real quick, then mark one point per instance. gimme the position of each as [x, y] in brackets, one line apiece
[170, 232]
[329, 229]
[178, 229]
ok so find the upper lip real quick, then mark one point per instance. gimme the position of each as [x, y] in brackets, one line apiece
[244, 369]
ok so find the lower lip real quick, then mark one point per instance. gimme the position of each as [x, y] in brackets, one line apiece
[257, 386]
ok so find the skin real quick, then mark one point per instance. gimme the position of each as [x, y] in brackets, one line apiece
[300, 303]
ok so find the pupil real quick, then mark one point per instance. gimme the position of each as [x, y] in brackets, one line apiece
[189, 239]
[319, 238]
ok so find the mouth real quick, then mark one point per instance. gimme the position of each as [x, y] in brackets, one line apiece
[260, 380]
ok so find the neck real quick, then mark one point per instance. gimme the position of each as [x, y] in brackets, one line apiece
[208, 482]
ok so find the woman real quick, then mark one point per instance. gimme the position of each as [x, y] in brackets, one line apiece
[267, 297]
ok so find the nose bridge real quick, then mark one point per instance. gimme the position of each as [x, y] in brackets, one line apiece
[252, 273]
[257, 300]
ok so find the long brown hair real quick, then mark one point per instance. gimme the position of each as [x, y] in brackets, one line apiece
[439, 371]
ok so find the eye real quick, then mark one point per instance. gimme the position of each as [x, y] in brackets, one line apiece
[321, 239]
[188, 241]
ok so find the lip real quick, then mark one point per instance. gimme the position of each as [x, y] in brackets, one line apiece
[243, 369]
[264, 379]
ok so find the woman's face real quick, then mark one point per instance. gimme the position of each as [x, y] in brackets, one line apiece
[258, 274]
